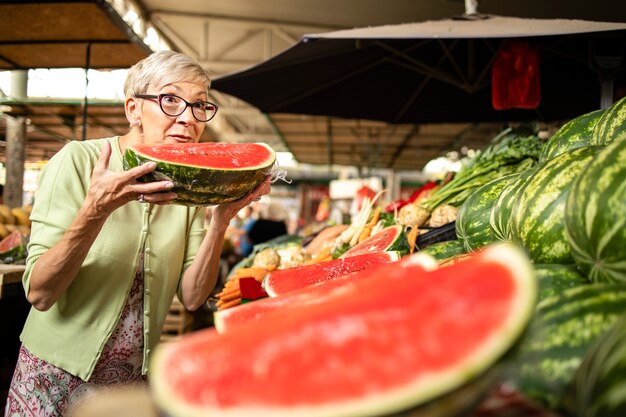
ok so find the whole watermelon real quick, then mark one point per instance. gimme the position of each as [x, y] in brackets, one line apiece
[554, 279]
[472, 222]
[598, 389]
[563, 329]
[595, 216]
[500, 216]
[612, 124]
[573, 134]
[442, 251]
[537, 219]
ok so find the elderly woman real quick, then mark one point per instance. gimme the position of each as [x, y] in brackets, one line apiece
[107, 253]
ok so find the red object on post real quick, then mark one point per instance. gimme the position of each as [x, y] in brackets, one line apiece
[515, 77]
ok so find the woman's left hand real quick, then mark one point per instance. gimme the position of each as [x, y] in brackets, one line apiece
[223, 213]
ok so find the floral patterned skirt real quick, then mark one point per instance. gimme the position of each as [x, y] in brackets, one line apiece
[39, 388]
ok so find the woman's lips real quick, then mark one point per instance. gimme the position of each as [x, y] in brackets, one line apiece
[181, 138]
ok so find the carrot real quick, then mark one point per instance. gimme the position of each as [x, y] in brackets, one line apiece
[229, 304]
[230, 296]
[375, 217]
[227, 291]
[412, 238]
[254, 270]
[365, 233]
[232, 283]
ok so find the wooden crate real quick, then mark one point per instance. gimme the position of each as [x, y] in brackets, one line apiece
[177, 322]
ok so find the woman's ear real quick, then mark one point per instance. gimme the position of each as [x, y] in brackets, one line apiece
[133, 112]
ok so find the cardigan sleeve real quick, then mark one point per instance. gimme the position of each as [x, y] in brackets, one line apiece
[62, 189]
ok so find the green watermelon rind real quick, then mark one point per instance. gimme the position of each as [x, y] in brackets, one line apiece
[537, 218]
[197, 186]
[595, 223]
[417, 398]
[612, 125]
[15, 254]
[554, 279]
[576, 133]
[473, 226]
[562, 330]
[442, 251]
[599, 381]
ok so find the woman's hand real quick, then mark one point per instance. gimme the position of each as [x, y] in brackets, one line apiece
[223, 213]
[109, 190]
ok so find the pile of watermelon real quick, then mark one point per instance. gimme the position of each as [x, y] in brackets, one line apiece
[568, 213]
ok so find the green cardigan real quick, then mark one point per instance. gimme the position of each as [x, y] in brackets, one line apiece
[73, 332]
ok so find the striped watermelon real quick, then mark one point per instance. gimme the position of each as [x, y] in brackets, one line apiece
[595, 216]
[472, 222]
[553, 279]
[205, 173]
[598, 389]
[563, 329]
[612, 124]
[442, 251]
[500, 215]
[573, 134]
[537, 219]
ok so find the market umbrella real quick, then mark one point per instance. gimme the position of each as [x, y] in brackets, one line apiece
[435, 71]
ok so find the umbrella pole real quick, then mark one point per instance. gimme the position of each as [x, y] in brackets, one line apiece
[86, 102]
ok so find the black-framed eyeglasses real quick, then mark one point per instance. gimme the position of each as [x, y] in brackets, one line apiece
[172, 105]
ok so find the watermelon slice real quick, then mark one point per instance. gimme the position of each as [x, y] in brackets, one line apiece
[401, 341]
[287, 280]
[12, 248]
[314, 294]
[205, 173]
[389, 239]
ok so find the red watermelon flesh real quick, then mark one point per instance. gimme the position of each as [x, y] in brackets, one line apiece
[287, 280]
[384, 345]
[11, 241]
[314, 294]
[391, 238]
[216, 155]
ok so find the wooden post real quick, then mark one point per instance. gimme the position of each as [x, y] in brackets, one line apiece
[16, 146]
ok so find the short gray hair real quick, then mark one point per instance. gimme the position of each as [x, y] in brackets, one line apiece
[162, 68]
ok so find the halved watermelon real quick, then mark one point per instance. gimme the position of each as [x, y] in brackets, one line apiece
[205, 173]
[394, 342]
[287, 280]
[12, 248]
[389, 239]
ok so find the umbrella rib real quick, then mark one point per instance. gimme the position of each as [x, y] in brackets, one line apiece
[448, 53]
[423, 69]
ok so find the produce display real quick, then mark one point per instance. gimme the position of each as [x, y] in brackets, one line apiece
[205, 173]
[513, 150]
[384, 340]
[547, 215]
